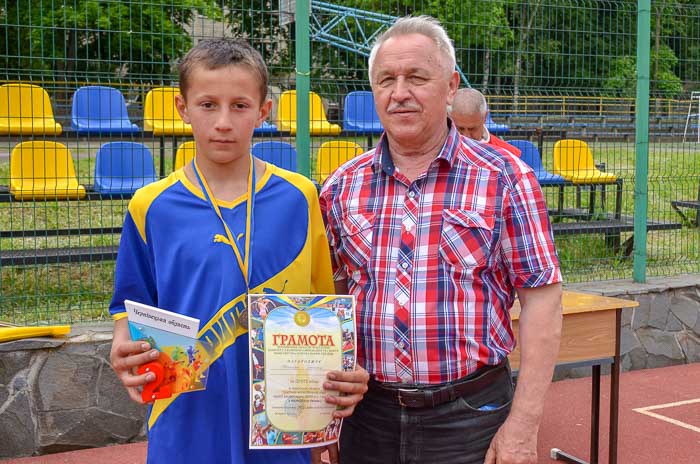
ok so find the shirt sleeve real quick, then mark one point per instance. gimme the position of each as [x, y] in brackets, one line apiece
[527, 242]
[332, 223]
[133, 275]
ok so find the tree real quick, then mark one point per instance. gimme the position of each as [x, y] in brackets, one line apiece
[85, 39]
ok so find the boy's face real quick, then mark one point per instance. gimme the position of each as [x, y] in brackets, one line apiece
[223, 106]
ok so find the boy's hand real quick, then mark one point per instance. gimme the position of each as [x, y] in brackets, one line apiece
[126, 356]
[319, 455]
[353, 384]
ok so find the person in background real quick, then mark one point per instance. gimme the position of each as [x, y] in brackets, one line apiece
[469, 112]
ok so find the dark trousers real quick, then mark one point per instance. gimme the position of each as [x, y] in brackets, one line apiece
[458, 432]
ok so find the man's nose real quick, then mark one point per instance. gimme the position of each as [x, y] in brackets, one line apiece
[401, 90]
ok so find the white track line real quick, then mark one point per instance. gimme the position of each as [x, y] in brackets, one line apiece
[647, 411]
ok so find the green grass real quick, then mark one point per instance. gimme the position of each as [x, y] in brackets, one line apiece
[82, 291]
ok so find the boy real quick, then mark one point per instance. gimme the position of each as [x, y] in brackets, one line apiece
[199, 240]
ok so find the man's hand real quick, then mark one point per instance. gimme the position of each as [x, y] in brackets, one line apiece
[514, 443]
[125, 358]
[353, 386]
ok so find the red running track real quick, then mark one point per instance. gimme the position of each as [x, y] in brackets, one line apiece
[670, 435]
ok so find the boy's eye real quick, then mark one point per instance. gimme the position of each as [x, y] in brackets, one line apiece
[207, 105]
[240, 106]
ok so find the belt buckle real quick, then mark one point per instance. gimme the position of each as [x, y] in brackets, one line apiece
[405, 390]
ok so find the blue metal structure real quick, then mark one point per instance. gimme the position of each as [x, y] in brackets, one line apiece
[351, 29]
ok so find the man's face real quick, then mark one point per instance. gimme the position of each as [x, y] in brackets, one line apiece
[469, 125]
[412, 89]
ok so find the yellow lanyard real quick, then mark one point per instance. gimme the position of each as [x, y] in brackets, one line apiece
[243, 261]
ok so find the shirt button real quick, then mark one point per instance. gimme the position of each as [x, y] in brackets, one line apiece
[401, 345]
[404, 265]
[411, 194]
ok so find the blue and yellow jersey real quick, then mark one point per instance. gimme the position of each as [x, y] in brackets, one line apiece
[174, 254]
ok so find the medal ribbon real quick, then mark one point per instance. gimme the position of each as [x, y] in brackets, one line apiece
[244, 261]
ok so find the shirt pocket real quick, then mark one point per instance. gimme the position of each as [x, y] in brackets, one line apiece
[356, 240]
[465, 239]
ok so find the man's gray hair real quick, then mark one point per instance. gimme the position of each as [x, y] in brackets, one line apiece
[423, 25]
[468, 101]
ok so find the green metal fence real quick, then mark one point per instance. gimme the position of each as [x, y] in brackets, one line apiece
[551, 70]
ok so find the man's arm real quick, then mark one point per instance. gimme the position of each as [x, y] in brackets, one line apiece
[540, 332]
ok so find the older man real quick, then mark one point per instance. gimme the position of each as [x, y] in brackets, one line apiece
[469, 112]
[435, 234]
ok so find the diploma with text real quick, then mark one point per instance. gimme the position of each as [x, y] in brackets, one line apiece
[294, 341]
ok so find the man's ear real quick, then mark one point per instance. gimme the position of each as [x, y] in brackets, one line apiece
[453, 85]
[265, 109]
[181, 106]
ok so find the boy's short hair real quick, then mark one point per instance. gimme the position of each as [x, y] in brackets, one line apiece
[221, 52]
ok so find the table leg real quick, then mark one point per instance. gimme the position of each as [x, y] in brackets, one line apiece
[595, 413]
[615, 391]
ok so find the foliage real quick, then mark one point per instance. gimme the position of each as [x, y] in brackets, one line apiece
[111, 37]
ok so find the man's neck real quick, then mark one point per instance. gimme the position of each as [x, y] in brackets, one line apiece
[226, 181]
[412, 161]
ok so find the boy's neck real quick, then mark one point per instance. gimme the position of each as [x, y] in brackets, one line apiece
[226, 181]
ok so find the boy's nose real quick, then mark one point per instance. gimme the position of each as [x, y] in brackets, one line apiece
[223, 121]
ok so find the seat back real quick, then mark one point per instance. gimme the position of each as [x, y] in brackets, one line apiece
[185, 153]
[160, 114]
[529, 153]
[26, 109]
[287, 114]
[43, 169]
[100, 108]
[281, 154]
[360, 112]
[123, 167]
[333, 154]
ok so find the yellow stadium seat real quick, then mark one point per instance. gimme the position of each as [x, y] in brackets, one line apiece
[160, 115]
[43, 170]
[573, 161]
[332, 154]
[185, 153]
[287, 115]
[26, 109]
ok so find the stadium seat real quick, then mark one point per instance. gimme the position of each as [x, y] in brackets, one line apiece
[44, 171]
[281, 154]
[332, 154]
[265, 128]
[160, 115]
[531, 155]
[185, 153]
[360, 113]
[573, 160]
[100, 110]
[287, 115]
[25, 109]
[123, 167]
[494, 127]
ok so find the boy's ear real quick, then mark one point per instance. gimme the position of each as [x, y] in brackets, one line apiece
[182, 108]
[265, 109]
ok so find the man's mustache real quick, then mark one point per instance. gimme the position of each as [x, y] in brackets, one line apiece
[402, 107]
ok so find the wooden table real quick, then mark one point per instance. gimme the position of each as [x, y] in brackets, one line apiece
[590, 337]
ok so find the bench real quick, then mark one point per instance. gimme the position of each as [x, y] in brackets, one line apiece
[611, 228]
[688, 204]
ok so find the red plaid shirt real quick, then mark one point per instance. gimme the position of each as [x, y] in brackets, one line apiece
[434, 263]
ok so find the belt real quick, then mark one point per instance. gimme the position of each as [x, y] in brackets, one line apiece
[429, 396]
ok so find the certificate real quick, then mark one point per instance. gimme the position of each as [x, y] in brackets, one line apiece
[294, 340]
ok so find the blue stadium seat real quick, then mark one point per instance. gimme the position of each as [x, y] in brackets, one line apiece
[100, 110]
[123, 167]
[281, 154]
[265, 128]
[496, 128]
[360, 114]
[531, 155]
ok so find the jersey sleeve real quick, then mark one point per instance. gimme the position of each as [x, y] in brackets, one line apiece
[133, 276]
[321, 270]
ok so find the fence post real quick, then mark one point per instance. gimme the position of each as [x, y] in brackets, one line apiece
[303, 74]
[641, 184]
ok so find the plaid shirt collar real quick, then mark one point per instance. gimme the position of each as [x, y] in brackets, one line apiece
[448, 152]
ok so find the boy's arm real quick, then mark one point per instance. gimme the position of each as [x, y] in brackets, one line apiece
[126, 356]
